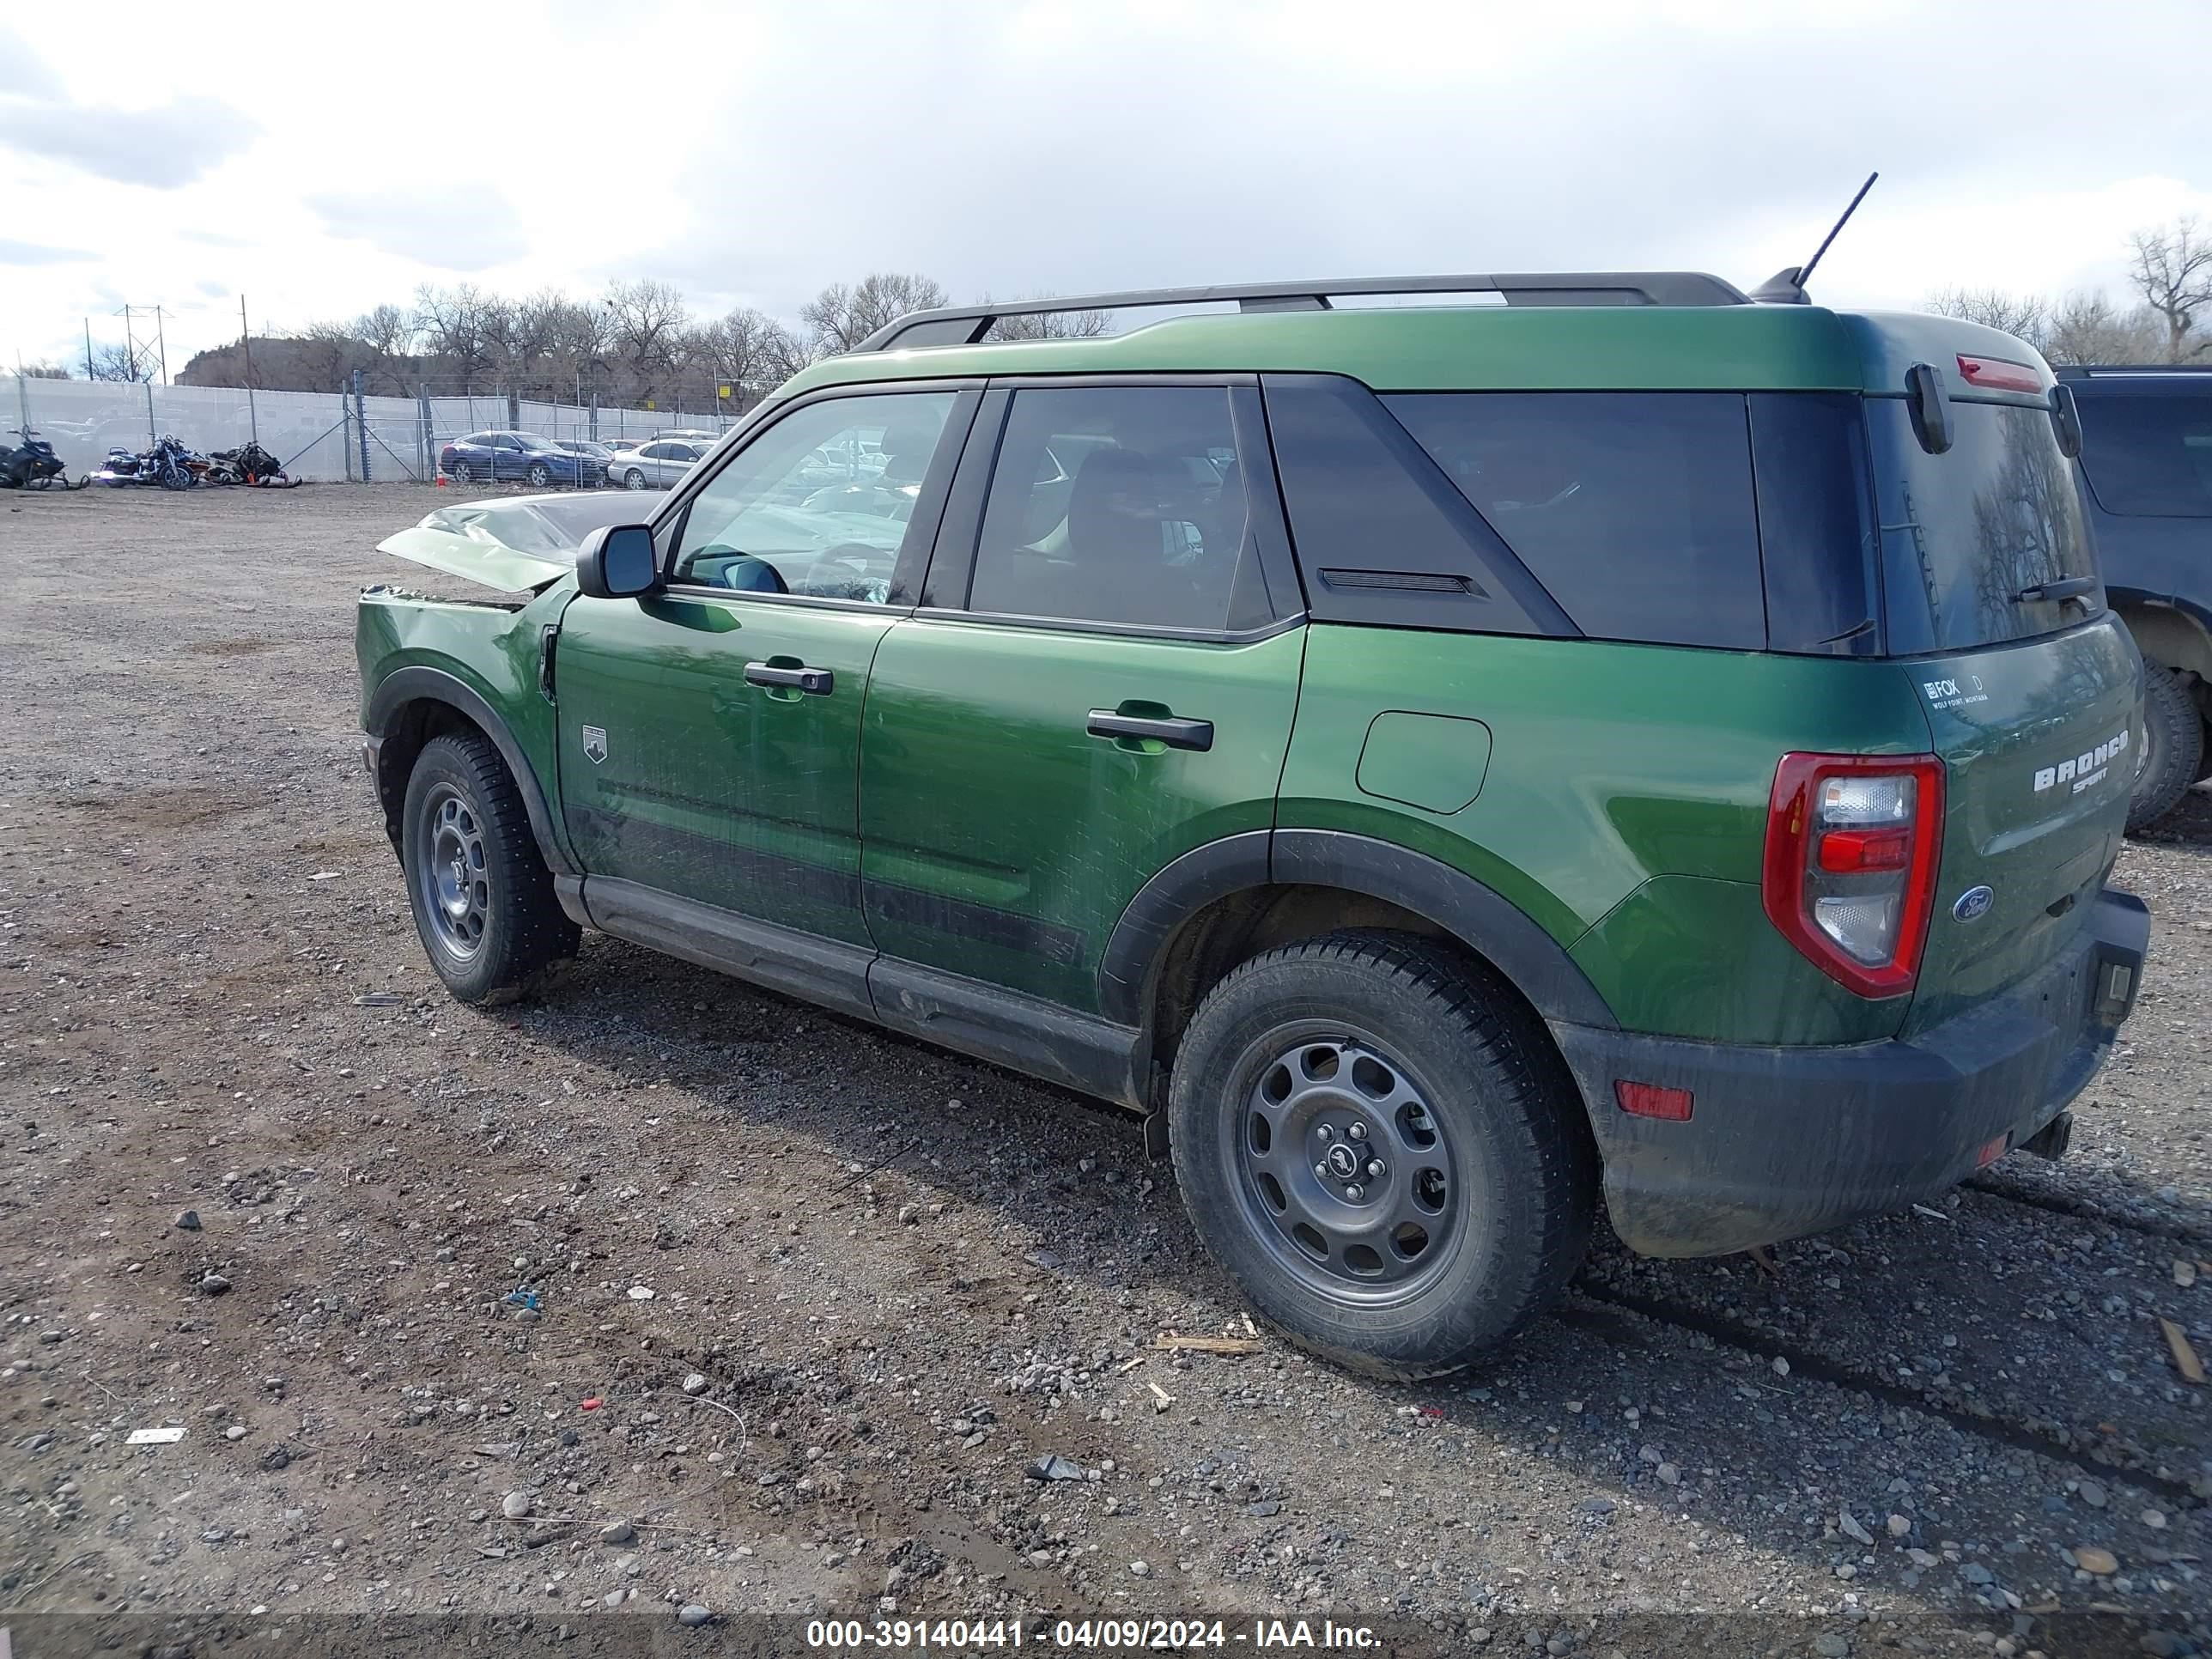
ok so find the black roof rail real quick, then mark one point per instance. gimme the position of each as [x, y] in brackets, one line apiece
[2124, 371]
[967, 325]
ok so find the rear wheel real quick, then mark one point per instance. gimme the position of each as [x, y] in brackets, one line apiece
[2174, 746]
[633, 479]
[482, 896]
[459, 470]
[1375, 1141]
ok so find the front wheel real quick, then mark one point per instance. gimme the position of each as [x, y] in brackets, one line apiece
[2174, 746]
[482, 896]
[540, 475]
[1378, 1142]
[633, 479]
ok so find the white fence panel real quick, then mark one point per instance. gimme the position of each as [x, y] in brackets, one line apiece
[312, 433]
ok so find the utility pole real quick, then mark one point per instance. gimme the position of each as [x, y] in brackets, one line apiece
[87, 347]
[246, 340]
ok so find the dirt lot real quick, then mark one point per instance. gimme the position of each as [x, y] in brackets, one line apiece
[894, 1278]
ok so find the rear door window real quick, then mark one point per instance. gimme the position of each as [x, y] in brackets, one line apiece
[1119, 505]
[1967, 533]
[1634, 508]
[2149, 456]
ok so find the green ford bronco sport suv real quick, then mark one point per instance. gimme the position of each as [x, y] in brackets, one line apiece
[1443, 762]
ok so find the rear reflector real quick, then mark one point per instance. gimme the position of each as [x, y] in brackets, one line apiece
[1990, 1154]
[1996, 374]
[1650, 1100]
[1865, 849]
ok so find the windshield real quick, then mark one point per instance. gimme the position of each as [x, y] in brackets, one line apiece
[1965, 532]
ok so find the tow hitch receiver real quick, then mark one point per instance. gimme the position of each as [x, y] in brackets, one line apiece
[2051, 1141]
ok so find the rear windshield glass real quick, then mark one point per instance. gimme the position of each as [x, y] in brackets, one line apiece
[2149, 458]
[1964, 533]
[1634, 508]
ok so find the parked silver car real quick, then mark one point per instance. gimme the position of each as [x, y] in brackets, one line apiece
[656, 466]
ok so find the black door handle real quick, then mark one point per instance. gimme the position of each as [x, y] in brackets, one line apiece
[1174, 732]
[815, 681]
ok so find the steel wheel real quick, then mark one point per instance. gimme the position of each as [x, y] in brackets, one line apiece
[451, 871]
[1347, 1175]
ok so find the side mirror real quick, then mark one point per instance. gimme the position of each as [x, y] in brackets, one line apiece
[2066, 420]
[618, 563]
[1930, 407]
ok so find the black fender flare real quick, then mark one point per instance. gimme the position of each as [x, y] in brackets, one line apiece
[420, 684]
[1482, 919]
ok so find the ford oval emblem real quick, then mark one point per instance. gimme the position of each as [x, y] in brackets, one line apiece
[1973, 904]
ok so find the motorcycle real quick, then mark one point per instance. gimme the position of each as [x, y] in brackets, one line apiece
[167, 464]
[249, 464]
[32, 464]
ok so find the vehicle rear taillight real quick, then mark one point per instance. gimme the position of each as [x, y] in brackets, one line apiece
[1852, 843]
[1996, 374]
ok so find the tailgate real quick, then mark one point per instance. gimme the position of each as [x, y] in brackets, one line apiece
[2040, 740]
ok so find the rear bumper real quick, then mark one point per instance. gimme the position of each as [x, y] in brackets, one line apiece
[1786, 1141]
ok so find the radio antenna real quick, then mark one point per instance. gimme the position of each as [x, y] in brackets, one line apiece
[1787, 285]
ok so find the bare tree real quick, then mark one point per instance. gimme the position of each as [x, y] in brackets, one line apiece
[2172, 271]
[747, 351]
[2024, 316]
[389, 334]
[119, 362]
[1050, 325]
[45, 371]
[327, 353]
[840, 317]
[646, 321]
[2088, 328]
[460, 324]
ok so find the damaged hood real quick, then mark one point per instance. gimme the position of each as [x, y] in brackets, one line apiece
[518, 543]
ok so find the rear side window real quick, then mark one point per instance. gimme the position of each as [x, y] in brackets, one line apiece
[1381, 535]
[1122, 505]
[1634, 508]
[1817, 537]
[2149, 458]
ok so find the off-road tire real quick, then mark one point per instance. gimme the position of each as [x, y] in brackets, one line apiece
[2174, 746]
[522, 925]
[1524, 1191]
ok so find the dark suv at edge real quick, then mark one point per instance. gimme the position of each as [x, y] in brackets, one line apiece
[2146, 458]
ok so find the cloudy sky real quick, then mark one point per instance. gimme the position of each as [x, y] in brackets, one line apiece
[331, 160]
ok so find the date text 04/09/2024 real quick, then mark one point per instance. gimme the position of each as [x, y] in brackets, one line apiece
[1150, 1635]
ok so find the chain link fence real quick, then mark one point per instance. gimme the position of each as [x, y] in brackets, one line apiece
[323, 436]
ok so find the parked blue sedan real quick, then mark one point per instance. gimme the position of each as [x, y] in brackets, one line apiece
[523, 455]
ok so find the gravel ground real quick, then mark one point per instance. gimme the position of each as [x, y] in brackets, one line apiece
[809, 1299]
